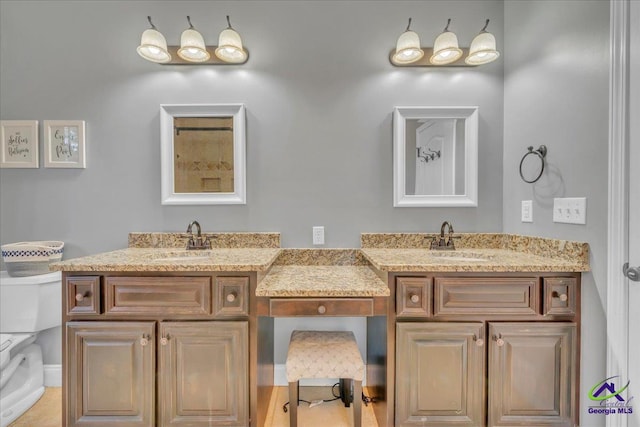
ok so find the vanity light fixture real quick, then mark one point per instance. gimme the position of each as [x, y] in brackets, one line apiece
[408, 47]
[483, 48]
[230, 46]
[192, 49]
[445, 50]
[153, 45]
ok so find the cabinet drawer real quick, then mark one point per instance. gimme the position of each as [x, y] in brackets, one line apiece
[560, 296]
[413, 296]
[232, 296]
[486, 296]
[83, 295]
[158, 296]
[321, 307]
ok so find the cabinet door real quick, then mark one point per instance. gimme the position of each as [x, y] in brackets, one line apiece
[440, 374]
[110, 374]
[532, 374]
[203, 374]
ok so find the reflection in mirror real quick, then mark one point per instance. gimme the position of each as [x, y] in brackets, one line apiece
[435, 156]
[437, 146]
[203, 154]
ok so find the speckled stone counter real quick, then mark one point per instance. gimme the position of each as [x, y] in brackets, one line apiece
[154, 259]
[475, 252]
[336, 272]
[321, 273]
[165, 252]
[321, 281]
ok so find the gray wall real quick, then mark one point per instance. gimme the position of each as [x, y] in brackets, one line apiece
[556, 62]
[319, 92]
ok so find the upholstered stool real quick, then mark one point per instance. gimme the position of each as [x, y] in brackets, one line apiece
[324, 354]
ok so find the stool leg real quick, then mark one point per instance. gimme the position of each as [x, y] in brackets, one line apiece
[357, 403]
[293, 404]
[345, 391]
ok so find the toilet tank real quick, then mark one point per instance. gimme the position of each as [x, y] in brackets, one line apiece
[31, 303]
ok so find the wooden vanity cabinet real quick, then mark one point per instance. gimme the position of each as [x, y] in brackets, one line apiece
[487, 351]
[132, 364]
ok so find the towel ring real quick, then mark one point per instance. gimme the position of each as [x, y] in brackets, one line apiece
[541, 153]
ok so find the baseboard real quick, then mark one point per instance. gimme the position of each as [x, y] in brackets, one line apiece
[280, 378]
[53, 375]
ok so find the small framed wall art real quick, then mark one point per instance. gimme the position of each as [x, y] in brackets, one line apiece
[19, 139]
[64, 144]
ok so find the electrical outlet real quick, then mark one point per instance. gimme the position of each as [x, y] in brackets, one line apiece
[318, 235]
[570, 210]
[527, 211]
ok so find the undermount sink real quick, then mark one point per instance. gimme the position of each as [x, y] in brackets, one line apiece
[182, 259]
[184, 256]
[459, 256]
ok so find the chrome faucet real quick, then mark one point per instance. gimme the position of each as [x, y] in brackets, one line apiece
[197, 243]
[442, 243]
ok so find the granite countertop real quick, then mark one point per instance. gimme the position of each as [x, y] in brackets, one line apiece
[321, 281]
[336, 272]
[172, 259]
[468, 260]
[475, 252]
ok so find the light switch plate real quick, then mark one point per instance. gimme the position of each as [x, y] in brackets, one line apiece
[570, 210]
[527, 211]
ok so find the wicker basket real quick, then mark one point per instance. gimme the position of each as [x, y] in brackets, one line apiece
[31, 258]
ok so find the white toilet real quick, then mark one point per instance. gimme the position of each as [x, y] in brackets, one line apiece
[27, 305]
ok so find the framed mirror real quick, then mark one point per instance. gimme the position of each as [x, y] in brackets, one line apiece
[435, 156]
[203, 154]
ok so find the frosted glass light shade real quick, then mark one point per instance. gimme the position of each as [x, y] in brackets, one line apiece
[192, 47]
[445, 49]
[230, 47]
[482, 50]
[408, 48]
[153, 46]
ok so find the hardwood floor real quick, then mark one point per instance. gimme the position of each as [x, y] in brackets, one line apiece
[47, 411]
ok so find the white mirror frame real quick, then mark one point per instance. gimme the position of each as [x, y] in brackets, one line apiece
[167, 113]
[470, 198]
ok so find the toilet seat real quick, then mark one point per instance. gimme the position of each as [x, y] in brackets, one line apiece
[25, 385]
[10, 341]
[5, 340]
